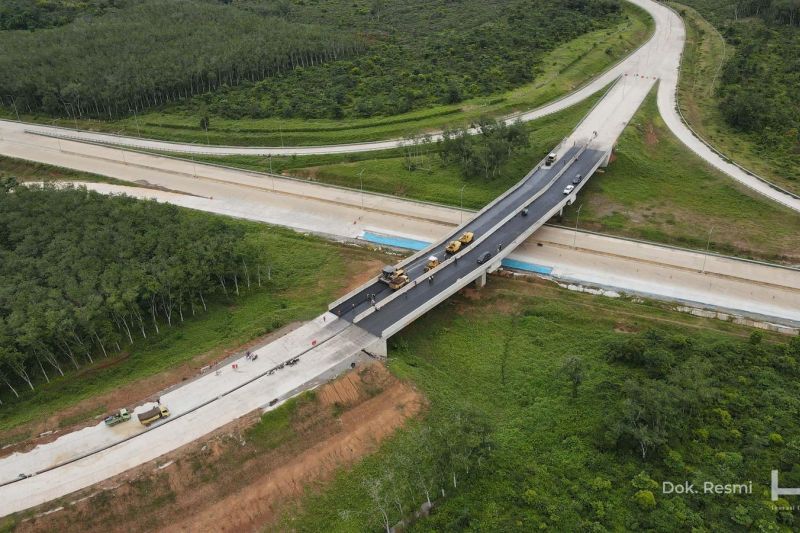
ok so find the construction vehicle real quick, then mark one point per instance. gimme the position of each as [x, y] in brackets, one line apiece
[453, 247]
[117, 418]
[156, 413]
[466, 238]
[399, 281]
[433, 262]
[391, 273]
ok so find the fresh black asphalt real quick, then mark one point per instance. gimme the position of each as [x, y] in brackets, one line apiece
[466, 269]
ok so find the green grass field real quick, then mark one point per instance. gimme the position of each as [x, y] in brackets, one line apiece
[657, 190]
[702, 67]
[433, 181]
[498, 362]
[307, 273]
[564, 69]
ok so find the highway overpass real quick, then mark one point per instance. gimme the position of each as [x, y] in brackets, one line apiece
[498, 228]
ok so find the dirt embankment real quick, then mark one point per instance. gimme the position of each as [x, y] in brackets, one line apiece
[240, 477]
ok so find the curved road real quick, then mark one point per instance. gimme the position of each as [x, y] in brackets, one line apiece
[659, 58]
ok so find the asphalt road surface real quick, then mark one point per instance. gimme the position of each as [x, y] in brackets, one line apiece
[428, 285]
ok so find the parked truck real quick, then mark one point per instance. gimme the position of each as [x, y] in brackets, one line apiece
[117, 418]
[156, 413]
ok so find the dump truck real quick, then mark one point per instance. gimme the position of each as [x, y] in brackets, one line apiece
[117, 418]
[398, 282]
[156, 413]
[433, 262]
[453, 247]
[466, 238]
[390, 273]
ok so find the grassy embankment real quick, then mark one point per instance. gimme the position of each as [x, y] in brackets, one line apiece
[385, 172]
[551, 462]
[658, 191]
[563, 69]
[306, 274]
[31, 171]
[704, 58]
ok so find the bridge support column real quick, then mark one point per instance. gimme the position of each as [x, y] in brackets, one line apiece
[606, 159]
[378, 349]
[480, 281]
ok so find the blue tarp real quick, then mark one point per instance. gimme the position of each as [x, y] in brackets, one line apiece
[397, 242]
[528, 267]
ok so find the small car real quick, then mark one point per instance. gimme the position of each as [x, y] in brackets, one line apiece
[577, 179]
[568, 189]
[485, 256]
[524, 211]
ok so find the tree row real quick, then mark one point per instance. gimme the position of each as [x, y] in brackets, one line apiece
[83, 275]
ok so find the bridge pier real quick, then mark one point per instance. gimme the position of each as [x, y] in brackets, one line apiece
[606, 159]
[480, 281]
[378, 349]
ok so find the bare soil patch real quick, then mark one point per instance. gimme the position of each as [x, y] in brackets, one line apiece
[227, 482]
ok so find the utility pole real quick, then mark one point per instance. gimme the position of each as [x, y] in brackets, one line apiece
[194, 165]
[270, 172]
[461, 211]
[361, 177]
[14, 104]
[136, 119]
[577, 217]
[708, 244]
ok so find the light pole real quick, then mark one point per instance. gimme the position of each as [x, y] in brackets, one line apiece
[136, 119]
[270, 172]
[708, 244]
[361, 177]
[14, 105]
[575, 236]
[461, 211]
[194, 165]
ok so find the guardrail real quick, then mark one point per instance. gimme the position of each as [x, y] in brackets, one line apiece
[678, 248]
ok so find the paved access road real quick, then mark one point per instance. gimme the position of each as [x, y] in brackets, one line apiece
[658, 59]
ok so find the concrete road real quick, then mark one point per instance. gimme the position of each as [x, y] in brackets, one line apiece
[658, 59]
[748, 288]
[197, 409]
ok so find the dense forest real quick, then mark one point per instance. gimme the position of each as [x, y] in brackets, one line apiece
[37, 14]
[83, 275]
[760, 82]
[300, 58]
[148, 54]
[577, 432]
